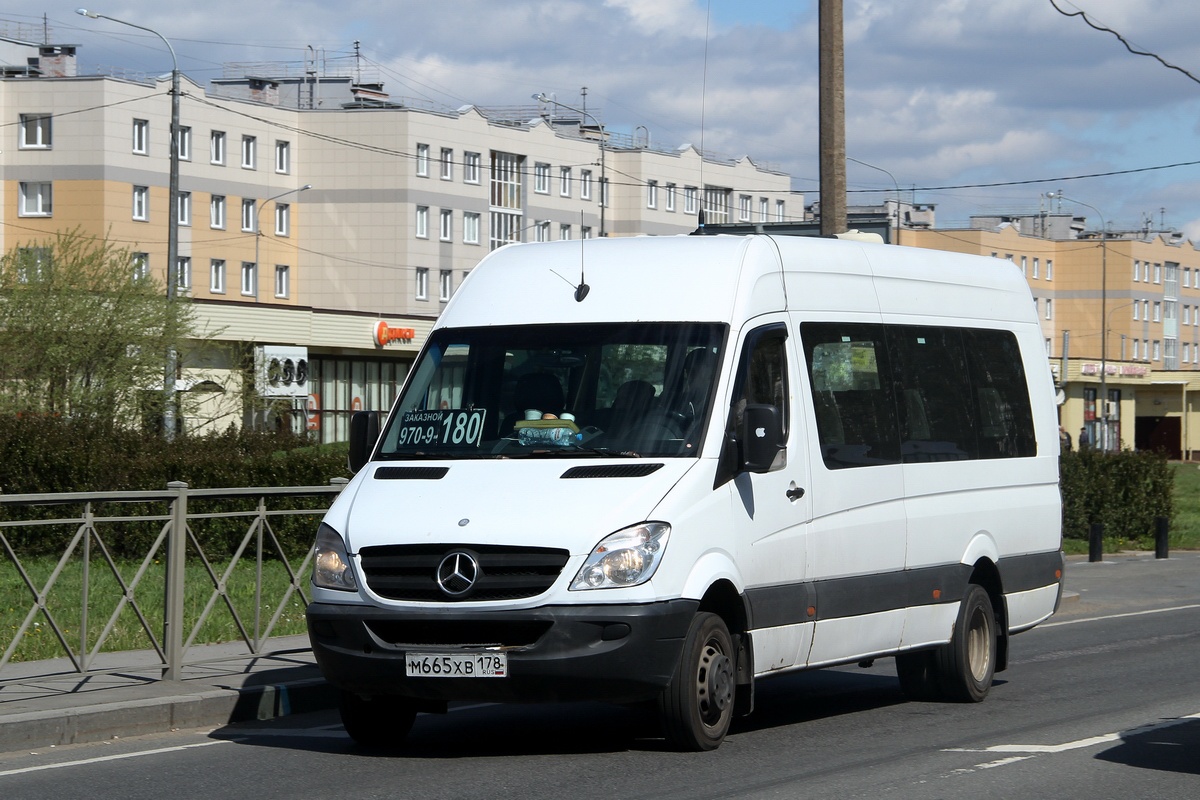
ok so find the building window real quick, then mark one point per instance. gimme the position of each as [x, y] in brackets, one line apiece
[1157, 311]
[1135, 310]
[780, 211]
[1186, 314]
[1134, 353]
[447, 164]
[669, 196]
[216, 212]
[604, 191]
[1157, 276]
[183, 143]
[471, 167]
[141, 266]
[541, 178]
[249, 278]
[249, 152]
[585, 184]
[35, 132]
[249, 209]
[542, 231]
[1024, 265]
[185, 208]
[1049, 308]
[1037, 267]
[283, 219]
[716, 204]
[445, 284]
[564, 182]
[216, 148]
[422, 283]
[764, 209]
[471, 227]
[689, 199]
[506, 199]
[445, 224]
[423, 160]
[141, 203]
[1187, 278]
[141, 137]
[1157, 350]
[283, 280]
[283, 157]
[1137, 271]
[216, 276]
[564, 232]
[422, 222]
[36, 199]
[651, 194]
[585, 231]
[744, 207]
[183, 273]
[1049, 269]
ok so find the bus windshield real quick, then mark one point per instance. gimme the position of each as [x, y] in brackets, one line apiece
[620, 389]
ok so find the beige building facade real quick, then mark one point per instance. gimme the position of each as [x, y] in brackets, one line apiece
[330, 233]
[1138, 293]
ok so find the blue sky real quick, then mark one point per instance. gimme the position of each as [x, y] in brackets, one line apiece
[939, 93]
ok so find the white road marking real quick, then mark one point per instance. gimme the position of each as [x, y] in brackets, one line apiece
[1116, 616]
[1033, 750]
[118, 757]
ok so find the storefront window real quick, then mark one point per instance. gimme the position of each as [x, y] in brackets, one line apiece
[342, 386]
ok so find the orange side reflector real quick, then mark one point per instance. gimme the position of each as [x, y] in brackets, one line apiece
[937, 594]
[812, 611]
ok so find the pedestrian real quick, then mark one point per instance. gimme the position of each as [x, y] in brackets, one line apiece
[1084, 439]
[1064, 439]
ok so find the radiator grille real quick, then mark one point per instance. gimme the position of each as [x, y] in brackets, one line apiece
[409, 572]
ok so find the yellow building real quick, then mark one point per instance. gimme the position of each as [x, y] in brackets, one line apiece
[1122, 305]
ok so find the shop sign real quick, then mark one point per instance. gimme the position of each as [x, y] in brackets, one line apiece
[386, 334]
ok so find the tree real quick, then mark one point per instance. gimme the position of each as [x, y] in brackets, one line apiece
[85, 331]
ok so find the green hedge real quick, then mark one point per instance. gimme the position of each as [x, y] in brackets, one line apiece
[49, 454]
[1124, 491]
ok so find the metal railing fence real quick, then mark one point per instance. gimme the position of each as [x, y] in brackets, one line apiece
[79, 532]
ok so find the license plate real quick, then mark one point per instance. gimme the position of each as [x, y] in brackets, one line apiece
[445, 665]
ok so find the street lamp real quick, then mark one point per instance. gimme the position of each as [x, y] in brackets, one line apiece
[893, 177]
[258, 230]
[172, 214]
[542, 98]
[1103, 315]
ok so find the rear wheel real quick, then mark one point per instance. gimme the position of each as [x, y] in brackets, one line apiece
[962, 670]
[378, 722]
[696, 707]
[966, 666]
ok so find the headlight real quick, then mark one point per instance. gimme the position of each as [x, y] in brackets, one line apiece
[331, 564]
[625, 558]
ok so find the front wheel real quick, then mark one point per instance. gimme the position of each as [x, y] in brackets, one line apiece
[696, 707]
[380, 722]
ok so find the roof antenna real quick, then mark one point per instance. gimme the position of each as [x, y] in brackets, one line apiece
[581, 291]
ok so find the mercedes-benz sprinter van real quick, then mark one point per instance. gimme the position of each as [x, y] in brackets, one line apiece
[657, 470]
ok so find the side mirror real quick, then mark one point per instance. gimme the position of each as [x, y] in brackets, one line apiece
[761, 437]
[364, 432]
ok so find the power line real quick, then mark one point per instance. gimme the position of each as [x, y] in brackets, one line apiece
[1083, 15]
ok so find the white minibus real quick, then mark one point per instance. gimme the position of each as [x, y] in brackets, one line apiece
[657, 470]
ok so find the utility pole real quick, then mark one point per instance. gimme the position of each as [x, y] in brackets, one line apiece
[832, 139]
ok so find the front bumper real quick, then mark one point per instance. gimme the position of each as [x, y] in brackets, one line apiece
[616, 653]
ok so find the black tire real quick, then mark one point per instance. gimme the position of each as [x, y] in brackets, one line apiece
[377, 723]
[966, 665]
[696, 707]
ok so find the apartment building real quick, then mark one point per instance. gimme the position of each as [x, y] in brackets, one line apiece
[321, 232]
[1136, 292]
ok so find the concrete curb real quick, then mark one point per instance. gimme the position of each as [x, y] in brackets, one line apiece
[211, 707]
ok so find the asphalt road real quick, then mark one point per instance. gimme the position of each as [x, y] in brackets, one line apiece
[1102, 702]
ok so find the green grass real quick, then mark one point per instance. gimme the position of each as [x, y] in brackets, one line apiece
[1185, 526]
[64, 602]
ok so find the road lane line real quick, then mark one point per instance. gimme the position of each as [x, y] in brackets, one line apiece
[1116, 616]
[117, 757]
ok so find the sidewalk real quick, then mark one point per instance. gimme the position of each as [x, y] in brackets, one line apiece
[69, 708]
